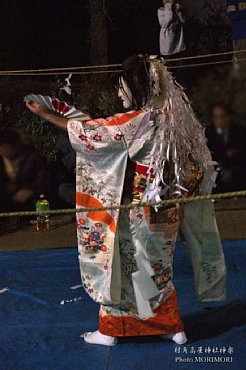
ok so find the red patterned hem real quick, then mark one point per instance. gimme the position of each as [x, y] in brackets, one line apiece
[166, 321]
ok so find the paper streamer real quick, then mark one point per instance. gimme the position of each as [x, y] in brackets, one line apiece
[76, 287]
[4, 290]
[65, 301]
[67, 87]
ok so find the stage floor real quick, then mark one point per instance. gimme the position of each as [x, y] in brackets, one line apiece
[39, 333]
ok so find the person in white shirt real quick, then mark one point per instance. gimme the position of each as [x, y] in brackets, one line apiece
[171, 20]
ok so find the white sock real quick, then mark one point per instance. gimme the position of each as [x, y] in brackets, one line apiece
[179, 338]
[97, 338]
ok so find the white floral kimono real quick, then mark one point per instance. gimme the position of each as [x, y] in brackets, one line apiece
[126, 256]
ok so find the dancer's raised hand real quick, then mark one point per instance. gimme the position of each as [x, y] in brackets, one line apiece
[41, 111]
[37, 108]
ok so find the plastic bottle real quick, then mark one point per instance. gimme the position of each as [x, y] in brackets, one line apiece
[43, 221]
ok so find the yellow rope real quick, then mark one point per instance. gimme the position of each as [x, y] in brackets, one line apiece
[206, 64]
[167, 202]
[60, 73]
[234, 52]
[63, 68]
[117, 70]
[82, 68]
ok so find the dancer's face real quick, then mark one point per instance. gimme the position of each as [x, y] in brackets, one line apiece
[125, 94]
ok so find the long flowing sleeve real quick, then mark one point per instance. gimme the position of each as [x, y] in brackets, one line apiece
[101, 160]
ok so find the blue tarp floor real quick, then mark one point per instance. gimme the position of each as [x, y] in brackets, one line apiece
[37, 332]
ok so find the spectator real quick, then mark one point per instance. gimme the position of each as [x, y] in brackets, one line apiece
[23, 174]
[171, 20]
[236, 10]
[227, 142]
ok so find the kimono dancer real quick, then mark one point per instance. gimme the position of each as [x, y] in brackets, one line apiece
[158, 150]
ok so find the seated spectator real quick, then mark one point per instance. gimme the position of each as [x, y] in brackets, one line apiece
[23, 174]
[227, 142]
[171, 20]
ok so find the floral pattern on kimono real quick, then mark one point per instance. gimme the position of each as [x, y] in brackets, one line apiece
[115, 245]
[107, 240]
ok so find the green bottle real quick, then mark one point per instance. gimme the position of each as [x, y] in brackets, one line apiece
[43, 221]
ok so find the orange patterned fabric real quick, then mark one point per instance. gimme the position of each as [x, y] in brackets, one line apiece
[116, 120]
[87, 201]
[166, 321]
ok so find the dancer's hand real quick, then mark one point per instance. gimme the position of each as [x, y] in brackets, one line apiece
[41, 111]
[37, 108]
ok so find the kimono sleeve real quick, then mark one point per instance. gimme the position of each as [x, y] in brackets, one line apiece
[101, 161]
[76, 133]
[122, 132]
[94, 135]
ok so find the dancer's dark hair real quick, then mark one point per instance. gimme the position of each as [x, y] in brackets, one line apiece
[136, 76]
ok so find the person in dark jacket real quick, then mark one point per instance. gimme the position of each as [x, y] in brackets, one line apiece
[236, 10]
[23, 173]
[227, 142]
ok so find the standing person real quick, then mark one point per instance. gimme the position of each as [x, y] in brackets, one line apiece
[126, 256]
[236, 10]
[171, 19]
[227, 142]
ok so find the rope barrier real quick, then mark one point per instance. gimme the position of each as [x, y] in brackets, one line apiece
[61, 73]
[167, 202]
[82, 68]
[200, 56]
[206, 64]
[120, 70]
[63, 68]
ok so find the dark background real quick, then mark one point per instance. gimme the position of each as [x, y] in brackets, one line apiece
[45, 33]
